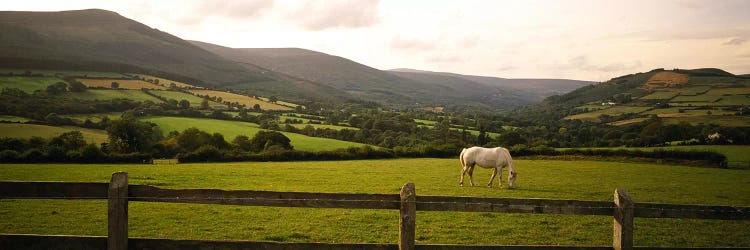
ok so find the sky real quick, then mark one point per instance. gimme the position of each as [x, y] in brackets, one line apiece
[583, 40]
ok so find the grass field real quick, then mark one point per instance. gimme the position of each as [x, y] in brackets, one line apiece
[696, 98]
[660, 95]
[732, 100]
[124, 84]
[613, 111]
[231, 129]
[585, 180]
[16, 130]
[96, 117]
[27, 84]
[11, 118]
[322, 126]
[627, 122]
[194, 100]
[166, 82]
[695, 90]
[728, 121]
[241, 99]
[106, 94]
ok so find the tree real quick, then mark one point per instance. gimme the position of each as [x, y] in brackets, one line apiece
[204, 104]
[115, 85]
[269, 139]
[57, 88]
[192, 138]
[184, 104]
[75, 86]
[128, 135]
[256, 107]
[242, 142]
[273, 99]
[68, 141]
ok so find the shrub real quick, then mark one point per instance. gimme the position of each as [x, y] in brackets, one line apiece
[9, 156]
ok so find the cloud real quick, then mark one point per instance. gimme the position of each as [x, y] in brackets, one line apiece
[582, 63]
[327, 14]
[412, 44]
[192, 12]
[736, 41]
[506, 67]
[445, 59]
[705, 33]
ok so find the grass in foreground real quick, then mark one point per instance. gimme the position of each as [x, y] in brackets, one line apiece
[587, 180]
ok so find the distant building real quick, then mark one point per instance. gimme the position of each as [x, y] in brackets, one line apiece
[608, 103]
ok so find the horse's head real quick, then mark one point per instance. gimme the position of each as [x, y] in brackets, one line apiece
[512, 178]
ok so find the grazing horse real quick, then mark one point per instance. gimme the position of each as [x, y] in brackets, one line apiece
[496, 158]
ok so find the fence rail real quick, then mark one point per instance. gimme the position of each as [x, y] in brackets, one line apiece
[118, 193]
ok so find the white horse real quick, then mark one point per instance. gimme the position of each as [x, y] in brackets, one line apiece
[496, 158]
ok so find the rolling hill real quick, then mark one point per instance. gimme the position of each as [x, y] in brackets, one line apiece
[105, 41]
[363, 81]
[531, 90]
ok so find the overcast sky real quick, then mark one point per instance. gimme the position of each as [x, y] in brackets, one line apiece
[585, 40]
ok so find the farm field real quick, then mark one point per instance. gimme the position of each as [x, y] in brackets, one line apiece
[17, 130]
[194, 100]
[241, 99]
[97, 117]
[697, 98]
[231, 129]
[106, 94]
[734, 100]
[166, 82]
[628, 121]
[613, 111]
[11, 118]
[27, 84]
[585, 180]
[728, 121]
[695, 90]
[124, 84]
[322, 126]
[660, 95]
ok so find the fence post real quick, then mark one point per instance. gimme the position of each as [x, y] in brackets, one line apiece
[117, 212]
[623, 222]
[406, 223]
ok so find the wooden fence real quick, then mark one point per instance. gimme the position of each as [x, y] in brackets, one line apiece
[118, 193]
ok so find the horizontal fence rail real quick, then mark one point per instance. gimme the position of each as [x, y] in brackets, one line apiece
[118, 192]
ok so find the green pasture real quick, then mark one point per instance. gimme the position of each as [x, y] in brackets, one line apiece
[660, 95]
[96, 117]
[732, 152]
[716, 79]
[27, 84]
[734, 100]
[231, 129]
[592, 107]
[17, 130]
[664, 111]
[695, 104]
[697, 90]
[426, 122]
[11, 118]
[696, 98]
[584, 180]
[322, 126]
[179, 96]
[727, 121]
[612, 111]
[107, 94]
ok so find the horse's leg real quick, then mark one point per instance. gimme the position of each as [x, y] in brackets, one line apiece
[471, 175]
[500, 176]
[463, 172]
[494, 173]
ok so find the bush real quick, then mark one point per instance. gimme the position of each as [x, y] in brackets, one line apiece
[9, 156]
[32, 155]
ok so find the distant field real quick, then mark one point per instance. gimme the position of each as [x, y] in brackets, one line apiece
[695, 104]
[695, 90]
[27, 84]
[425, 122]
[627, 122]
[94, 117]
[613, 111]
[714, 79]
[231, 129]
[732, 152]
[241, 99]
[10, 118]
[107, 94]
[660, 95]
[26, 131]
[124, 84]
[194, 100]
[288, 104]
[322, 126]
[664, 111]
[729, 91]
[696, 98]
[166, 82]
[667, 79]
[734, 100]
[697, 112]
[729, 121]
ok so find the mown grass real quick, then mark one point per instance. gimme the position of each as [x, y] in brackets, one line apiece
[17, 130]
[27, 84]
[122, 84]
[727, 121]
[586, 180]
[322, 126]
[660, 95]
[231, 129]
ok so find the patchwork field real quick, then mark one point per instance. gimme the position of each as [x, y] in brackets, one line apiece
[10, 118]
[16, 130]
[80, 118]
[124, 84]
[27, 84]
[585, 180]
[660, 95]
[231, 129]
[166, 82]
[249, 102]
[666, 80]
[728, 121]
[612, 111]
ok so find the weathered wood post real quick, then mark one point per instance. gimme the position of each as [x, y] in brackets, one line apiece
[117, 212]
[406, 223]
[623, 222]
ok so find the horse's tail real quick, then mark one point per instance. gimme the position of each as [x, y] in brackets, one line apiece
[461, 158]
